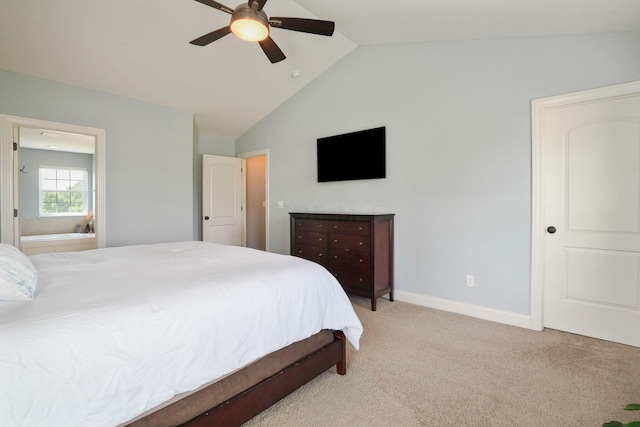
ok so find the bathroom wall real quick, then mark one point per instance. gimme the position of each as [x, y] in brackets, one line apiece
[29, 161]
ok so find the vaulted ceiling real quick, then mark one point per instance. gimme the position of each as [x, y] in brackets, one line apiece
[140, 49]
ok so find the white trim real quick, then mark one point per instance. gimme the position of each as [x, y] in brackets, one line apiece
[539, 107]
[7, 173]
[614, 91]
[258, 153]
[537, 224]
[493, 315]
[6, 180]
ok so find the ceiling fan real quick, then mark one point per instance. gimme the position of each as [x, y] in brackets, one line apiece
[250, 23]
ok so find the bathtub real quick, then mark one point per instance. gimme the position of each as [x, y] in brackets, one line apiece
[65, 242]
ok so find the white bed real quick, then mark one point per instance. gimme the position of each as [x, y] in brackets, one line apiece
[114, 332]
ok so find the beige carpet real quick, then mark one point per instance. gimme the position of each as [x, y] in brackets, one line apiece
[424, 367]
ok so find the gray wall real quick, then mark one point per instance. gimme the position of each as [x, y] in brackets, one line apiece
[149, 154]
[458, 151]
[29, 185]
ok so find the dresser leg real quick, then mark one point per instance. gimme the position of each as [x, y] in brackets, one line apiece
[373, 303]
[391, 296]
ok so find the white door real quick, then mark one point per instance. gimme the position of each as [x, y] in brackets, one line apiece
[590, 172]
[222, 200]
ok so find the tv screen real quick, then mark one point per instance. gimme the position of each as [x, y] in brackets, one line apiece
[351, 156]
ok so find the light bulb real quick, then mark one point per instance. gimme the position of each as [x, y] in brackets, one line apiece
[249, 30]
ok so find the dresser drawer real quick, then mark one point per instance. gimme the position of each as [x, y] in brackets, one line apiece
[354, 242]
[312, 253]
[311, 224]
[339, 259]
[350, 227]
[312, 238]
[353, 279]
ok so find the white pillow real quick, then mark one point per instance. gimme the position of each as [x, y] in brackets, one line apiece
[18, 276]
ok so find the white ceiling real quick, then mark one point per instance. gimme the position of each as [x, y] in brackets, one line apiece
[47, 139]
[140, 49]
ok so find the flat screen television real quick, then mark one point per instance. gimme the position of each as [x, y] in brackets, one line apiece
[352, 156]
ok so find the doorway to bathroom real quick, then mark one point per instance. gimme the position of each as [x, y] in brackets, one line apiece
[31, 147]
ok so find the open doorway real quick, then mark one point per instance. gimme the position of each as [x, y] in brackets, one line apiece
[257, 199]
[49, 143]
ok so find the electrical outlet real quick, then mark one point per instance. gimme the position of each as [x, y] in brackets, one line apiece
[471, 281]
[280, 204]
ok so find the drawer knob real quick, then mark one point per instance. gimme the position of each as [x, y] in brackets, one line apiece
[361, 243]
[319, 225]
[361, 261]
[335, 240]
[300, 251]
[319, 239]
[361, 279]
[359, 228]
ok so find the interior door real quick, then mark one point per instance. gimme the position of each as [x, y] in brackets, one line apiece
[222, 200]
[591, 215]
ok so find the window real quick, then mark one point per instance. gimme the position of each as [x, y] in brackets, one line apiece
[63, 191]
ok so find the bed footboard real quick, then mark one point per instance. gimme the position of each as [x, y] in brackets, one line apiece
[247, 404]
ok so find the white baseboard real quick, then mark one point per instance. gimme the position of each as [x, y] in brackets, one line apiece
[508, 318]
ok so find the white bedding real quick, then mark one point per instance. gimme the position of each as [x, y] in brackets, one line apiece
[114, 332]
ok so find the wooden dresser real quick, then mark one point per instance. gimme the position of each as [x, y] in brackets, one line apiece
[357, 249]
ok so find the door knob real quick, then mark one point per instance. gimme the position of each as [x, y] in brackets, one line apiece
[551, 229]
[206, 218]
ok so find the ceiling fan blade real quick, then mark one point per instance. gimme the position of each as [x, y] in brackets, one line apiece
[216, 5]
[312, 26]
[257, 4]
[271, 49]
[212, 36]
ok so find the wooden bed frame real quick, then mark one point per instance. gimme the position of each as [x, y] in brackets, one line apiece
[248, 403]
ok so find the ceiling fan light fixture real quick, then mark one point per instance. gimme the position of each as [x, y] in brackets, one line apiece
[249, 25]
[249, 22]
